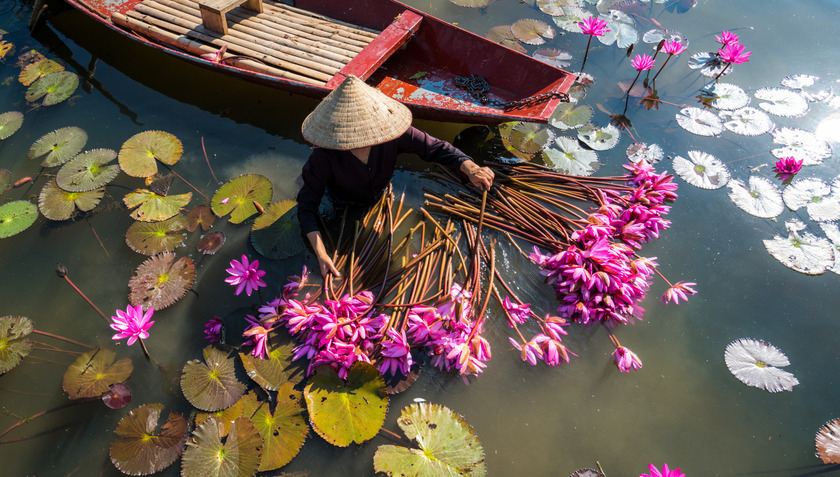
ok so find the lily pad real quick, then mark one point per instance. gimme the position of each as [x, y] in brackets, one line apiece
[801, 144]
[552, 8]
[821, 201]
[586, 473]
[657, 35]
[37, 69]
[571, 18]
[211, 243]
[709, 64]
[782, 102]
[94, 372]
[702, 170]
[801, 251]
[142, 447]
[200, 215]
[207, 456]
[699, 121]
[14, 346]
[760, 198]
[531, 138]
[472, 3]
[237, 196]
[58, 204]
[447, 445]
[570, 116]
[622, 34]
[570, 158]
[16, 216]
[138, 155]
[158, 282]
[502, 35]
[756, 363]
[283, 431]
[828, 442]
[59, 146]
[726, 96]
[152, 207]
[531, 32]
[53, 87]
[117, 396]
[346, 412]
[150, 238]
[805, 86]
[278, 368]
[88, 171]
[554, 57]
[599, 138]
[276, 233]
[226, 416]
[650, 153]
[213, 384]
[10, 122]
[832, 232]
[747, 121]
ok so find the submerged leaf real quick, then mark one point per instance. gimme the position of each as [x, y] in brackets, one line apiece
[212, 385]
[58, 204]
[211, 243]
[14, 346]
[702, 170]
[237, 196]
[570, 158]
[143, 448]
[699, 121]
[207, 456]
[756, 363]
[53, 87]
[88, 171]
[16, 216]
[709, 64]
[150, 238]
[117, 396]
[10, 122]
[94, 372]
[200, 215]
[158, 282]
[761, 198]
[828, 442]
[782, 102]
[276, 233]
[59, 146]
[138, 155]
[803, 252]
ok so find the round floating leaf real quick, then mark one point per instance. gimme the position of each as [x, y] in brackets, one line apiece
[88, 171]
[158, 282]
[59, 146]
[761, 198]
[709, 64]
[150, 238]
[58, 204]
[828, 442]
[599, 139]
[10, 122]
[13, 343]
[213, 384]
[53, 87]
[782, 102]
[571, 18]
[226, 416]
[502, 35]
[650, 153]
[531, 32]
[657, 35]
[41, 67]
[622, 34]
[570, 116]
[276, 233]
[586, 473]
[747, 122]
[570, 158]
[207, 456]
[200, 215]
[16, 216]
[833, 233]
[278, 368]
[346, 412]
[725, 96]
[554, 57]
[756, 363]
[702, 170]
[143, 448]
[699, 121]
[805, 83]
[211, 243]
[282, 432]
[804, 252]
[154, 207]
[447, 445]
[816, 196]
[138, 155]
[94, 372]
[801, 144]
[552, 8]
[531, 138]
[239, 195]
[117, 396]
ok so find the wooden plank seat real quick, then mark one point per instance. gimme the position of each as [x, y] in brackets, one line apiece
[213, 12]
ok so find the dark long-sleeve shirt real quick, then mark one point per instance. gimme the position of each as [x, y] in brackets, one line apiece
[350, 180]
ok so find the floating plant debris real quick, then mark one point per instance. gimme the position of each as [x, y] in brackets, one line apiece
[150, 238]
[152, 207]
[200, 215]
[699, 121]
[530, 138]
[702, 170]
[802, 251]
[10, 122]
[213, 384]
[570, 116]
[138, 154]
[821, 200]
[53, 87]
[554, 57]
[277, 368]
[160, 184]
[726, 96]
[447, 445]
[803, 83]
[58, 204]
[801, 144]
[599, 138]
[502, 35]
[344, 412]
[38, 68]
[650, 153]
[88, 171]
[827, 442]
[531, 32]
[117, 396]
[59, 146]
[16, 216]
[283, 431]
[571, 18]
[782, 102]
[756, 363]
[276, 233]
[142, 447]
[14, 345]
[237, 196]
[158, 282]
[211, 243]
[571, 158]
[207, 455]
[760, 198]
[93, 373]
[747, 121]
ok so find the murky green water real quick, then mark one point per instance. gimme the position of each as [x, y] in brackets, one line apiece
[683, 407]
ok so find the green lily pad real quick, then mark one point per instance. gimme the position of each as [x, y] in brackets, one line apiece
[150, 238]
[278, 368]
[10, 122]
[531, 31]
[143, 448]
[211, 243]
[37, 69]
[212, 385]
[569, 157]
[208, 456]
[276, 233]
[284, 431]
[59, 146]
[13, 343]
[88, 171]
[58, 204]
[448, 445]
[599, 138]
[570, 116]
[53, 87]
[200, 215]
[225, 417]
[531, 138]
[161, 281]
[346, 412]
[139, 153]
[239, 195]
[94, 372]
[502, 35]
[154, 207]
[16, 216]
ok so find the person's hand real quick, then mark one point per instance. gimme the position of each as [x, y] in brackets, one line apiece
[481, 177]
[326, 265]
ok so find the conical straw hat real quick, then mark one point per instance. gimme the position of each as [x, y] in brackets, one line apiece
[355, 115]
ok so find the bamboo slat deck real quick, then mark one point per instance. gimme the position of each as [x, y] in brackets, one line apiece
[282, 40]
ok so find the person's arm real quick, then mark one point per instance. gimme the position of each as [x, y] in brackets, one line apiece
[481, 177]
[314, 176]
[325, 263]
[432, 149]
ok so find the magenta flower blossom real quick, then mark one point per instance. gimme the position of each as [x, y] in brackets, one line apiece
[257, 335]
[396, 354]
[787, 167]
[673, 47]
[132, 323]
[532, 350]
[679, 291]
[733, 53]
[725, 38]
[213, 329]
[665, 472]
[245, 275]
[642, 62]
[516, 313]
[593, 26]
[626, 360]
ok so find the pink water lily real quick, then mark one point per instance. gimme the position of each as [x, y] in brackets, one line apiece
[626, 360]
[726, 38]
[642, 62]
[673, 47]
[132, 323]
[516, 313]
[787, 167]
[733, 53]
[593, 26]
[679, 291]
[245, 275]
[257, 335]
[665, 472]
[213, 329]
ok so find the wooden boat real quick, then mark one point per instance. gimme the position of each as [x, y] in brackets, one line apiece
[440, 71]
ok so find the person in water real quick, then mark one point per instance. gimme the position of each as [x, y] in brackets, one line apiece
[358, 132]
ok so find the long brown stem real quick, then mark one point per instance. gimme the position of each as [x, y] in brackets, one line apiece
[77, 343]
[61, 271]
[208, 161]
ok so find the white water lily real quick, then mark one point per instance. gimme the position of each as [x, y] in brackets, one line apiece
[756, 363]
